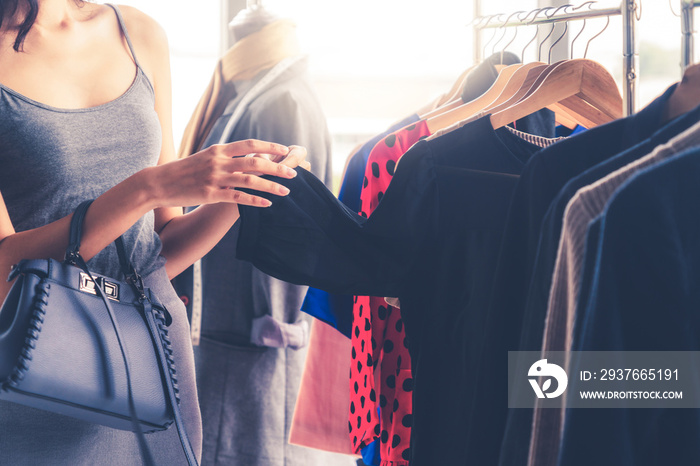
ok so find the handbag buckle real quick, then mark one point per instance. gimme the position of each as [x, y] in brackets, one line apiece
[14, 271]
[111, 290]
[137, 282]
[72, 258]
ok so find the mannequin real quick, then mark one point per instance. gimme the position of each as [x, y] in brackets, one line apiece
[249, 20]
[250, 331]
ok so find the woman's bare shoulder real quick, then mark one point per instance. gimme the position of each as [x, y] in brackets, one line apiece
[148, 37]
[140, 24]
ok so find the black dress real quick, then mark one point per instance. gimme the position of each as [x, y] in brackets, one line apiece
[432, 241]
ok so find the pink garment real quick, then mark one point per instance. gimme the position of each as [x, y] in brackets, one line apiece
[321, 414]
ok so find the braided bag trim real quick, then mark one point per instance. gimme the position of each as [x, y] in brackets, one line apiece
[39, 304]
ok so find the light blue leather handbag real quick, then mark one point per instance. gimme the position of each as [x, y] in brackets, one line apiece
[89, 346]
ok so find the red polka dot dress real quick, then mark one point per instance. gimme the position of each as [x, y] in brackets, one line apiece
[378, 337]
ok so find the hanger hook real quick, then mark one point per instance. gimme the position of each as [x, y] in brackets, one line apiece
[537, 11]
[476, 22]
[551, 47]
[639, 15]
[537, 33]
[562, 7]
[573, 41]
[539, 51]
[514, 35]
[495, 31]
[589, 4]
[585, 53]
[503, 26]
[670, 5]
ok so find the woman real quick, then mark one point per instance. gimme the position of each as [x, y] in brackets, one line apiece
[85, 113]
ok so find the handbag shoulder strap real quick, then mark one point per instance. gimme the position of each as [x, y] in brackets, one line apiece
[75, 237]
[76, 224]
[156, 324]
[73, 256]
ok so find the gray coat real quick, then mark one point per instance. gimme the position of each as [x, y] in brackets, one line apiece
[247, 392]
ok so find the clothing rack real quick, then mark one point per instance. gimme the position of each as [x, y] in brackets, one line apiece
[627, 10]
[688, 32]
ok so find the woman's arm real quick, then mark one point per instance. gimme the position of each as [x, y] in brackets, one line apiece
[202, 179]
[185, 238]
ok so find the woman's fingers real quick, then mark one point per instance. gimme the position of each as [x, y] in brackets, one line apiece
[295, 158]
[239, 197]
[248, 181]
[250, 146]
[258, 165]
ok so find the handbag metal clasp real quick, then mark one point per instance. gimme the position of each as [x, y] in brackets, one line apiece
[88, 286]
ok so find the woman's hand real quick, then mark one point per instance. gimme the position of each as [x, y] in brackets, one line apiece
[212, 175]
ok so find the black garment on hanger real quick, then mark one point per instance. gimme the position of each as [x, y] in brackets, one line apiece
[432, 242]
[645, 295]
[544, 176]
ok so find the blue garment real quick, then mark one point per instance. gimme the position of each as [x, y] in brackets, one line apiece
[371, 454]
[544, 176]
[336, 309]
[564, 132]
[644, 294]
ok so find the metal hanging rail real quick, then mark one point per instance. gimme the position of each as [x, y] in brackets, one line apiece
[688, 32]
[630, 56]
[558, 18]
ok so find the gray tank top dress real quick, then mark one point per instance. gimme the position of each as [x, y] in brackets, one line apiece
[51, 159]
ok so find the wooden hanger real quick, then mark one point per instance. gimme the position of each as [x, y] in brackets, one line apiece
[524, 75]
[475, 105]
[572, 111]
[584, 88]
[521, 81]
[456, 99]
[527, 87]
[450, 115]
